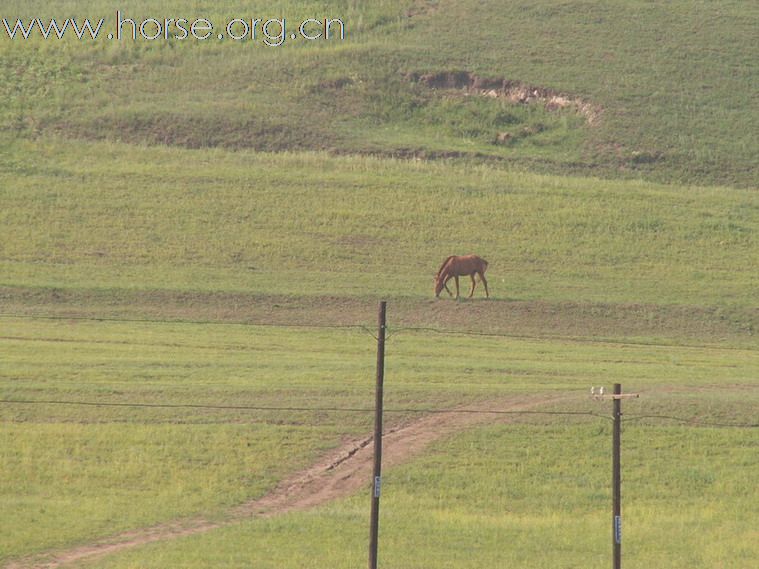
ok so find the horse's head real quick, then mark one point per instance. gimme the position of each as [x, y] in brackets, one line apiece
[439, 284]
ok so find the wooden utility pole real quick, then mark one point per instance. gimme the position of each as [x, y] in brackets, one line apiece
[616, 477]
[616, 468]
[377, 477]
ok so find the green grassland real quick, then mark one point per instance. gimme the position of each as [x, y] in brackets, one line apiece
[674, 84]
[113, 467]
[89, 215]
[543, 505]
[205, 228]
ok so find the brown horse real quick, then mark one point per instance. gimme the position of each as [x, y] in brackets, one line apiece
[454, 267]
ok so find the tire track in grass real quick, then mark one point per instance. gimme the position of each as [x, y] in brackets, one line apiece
[339, 474]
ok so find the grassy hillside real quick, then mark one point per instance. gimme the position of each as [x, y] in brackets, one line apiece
[122, 285]
[194, 236]
[671, 87]
[269, 238]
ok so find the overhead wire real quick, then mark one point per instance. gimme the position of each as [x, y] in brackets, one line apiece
[368, 410]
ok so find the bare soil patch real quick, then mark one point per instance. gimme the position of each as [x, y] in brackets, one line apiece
[509, 89]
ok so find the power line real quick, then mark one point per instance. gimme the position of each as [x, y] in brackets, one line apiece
[392, 331]
[577, 339]
[691, 421]
[424, 410]
[291, 408]
[184, 321]
[421, 410]
[181, 406]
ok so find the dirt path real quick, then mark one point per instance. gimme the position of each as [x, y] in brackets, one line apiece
[342, 473]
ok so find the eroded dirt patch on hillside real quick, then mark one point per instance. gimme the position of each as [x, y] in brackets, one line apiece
[339, 474]
[508, 89]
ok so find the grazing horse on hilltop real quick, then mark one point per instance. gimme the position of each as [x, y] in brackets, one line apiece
[454, 267]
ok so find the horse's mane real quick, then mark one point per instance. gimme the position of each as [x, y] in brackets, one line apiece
[440, 270]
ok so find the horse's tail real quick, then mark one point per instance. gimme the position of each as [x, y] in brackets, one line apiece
[440, 270]
[483, 268]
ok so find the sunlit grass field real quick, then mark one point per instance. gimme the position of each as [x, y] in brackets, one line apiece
[112, 216]
[183, 419]
[488, 498]
[122, 286]
[194, 237]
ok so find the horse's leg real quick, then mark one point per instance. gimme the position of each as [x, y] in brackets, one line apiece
[457, 286]
[445, 284]
[485, 282]
[474, 283]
